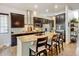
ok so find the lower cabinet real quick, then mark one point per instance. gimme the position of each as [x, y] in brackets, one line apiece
[13, 41]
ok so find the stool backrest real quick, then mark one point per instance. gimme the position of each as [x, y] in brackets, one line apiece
[54, 39]
[61, 36]
[41, 42]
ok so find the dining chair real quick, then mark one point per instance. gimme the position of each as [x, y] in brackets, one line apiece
[40, 48]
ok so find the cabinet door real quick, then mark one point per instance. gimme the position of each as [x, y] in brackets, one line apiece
[60, 18]
[57, 19]
[43, 21]
[13, 41]
[37, 22]
[46, 21]
[52, 22]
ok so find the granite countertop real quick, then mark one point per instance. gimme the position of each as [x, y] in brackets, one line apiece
[27, 33]
[29, 38]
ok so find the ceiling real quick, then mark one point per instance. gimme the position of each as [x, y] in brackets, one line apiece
[42, 6]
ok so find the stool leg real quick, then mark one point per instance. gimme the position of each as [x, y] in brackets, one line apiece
[56, 50]
[45, 52]
[59, 47]
[62, 46]
[30, 52]
[51, 51]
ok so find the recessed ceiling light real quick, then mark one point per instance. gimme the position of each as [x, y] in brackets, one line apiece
[35, 6]
[47, 10]
[56, 6]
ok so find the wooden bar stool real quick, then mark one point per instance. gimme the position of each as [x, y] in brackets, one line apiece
[40, 48]
[61, 38]
[54, 45]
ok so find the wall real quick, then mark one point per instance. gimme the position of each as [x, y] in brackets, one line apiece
[5, 39]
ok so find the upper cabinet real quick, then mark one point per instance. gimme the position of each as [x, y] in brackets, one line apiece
[38, 22]
[60, 18]
[51, 22]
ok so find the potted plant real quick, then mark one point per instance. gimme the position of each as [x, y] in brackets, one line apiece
[74, 20]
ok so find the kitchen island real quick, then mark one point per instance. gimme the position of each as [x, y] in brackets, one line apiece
[15, 35]
[24, 42]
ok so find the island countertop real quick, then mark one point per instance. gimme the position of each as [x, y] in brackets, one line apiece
[29, 38]
[27, 33]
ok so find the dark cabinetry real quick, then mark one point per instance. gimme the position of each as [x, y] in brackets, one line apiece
[60, 24]
[38, 22]
[45, 21]
[13, 41]
[60, 21]
[60, 18]
[51, 22]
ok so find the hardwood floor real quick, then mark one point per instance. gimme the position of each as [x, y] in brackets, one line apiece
[69, 50]
[8, 51]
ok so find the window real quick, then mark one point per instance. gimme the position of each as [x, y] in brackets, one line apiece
[76, 14]
[3, 23]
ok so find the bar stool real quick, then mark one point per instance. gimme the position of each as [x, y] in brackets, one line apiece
[54, 44]
[61, 38]
[40, 48]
